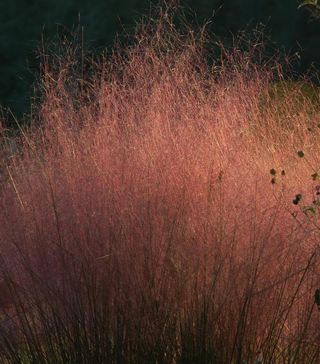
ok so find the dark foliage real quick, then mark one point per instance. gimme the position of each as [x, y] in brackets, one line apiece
[23, 24]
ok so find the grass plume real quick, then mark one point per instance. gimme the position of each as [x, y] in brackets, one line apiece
[138, 223]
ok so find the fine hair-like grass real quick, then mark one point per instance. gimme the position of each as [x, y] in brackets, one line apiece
[138, 223]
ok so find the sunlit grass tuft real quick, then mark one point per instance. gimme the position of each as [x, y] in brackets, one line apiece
[138, 221]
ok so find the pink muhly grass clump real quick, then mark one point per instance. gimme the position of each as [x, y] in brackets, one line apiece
[138, 223]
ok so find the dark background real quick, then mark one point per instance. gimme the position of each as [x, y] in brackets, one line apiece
[24, 22]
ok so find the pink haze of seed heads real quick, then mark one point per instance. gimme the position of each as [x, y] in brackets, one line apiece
[138, 214]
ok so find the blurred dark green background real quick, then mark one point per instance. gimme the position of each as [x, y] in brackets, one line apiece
[22, 23]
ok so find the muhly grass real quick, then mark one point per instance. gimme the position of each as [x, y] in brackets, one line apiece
[138, 221]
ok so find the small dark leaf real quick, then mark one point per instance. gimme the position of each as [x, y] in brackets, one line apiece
[317, 297]
[273, 172]
[297, 199]
[273, 180]
[300, 154]
[283, 173]
[315, 176]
